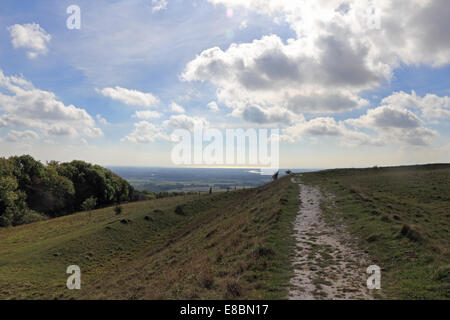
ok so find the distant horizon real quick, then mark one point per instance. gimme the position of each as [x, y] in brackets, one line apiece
[287, 168]
[232, 167]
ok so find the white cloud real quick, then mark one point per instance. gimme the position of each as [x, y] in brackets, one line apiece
[61, 129]
[101, 119]
[93, 132]
[144, 132]
[387, 125]
[271, 115]
[31, 37]
[395, 124]
[341, 50]
[326, 127]
[213, 106]
[131, 97]
[268, 73]
[388, 117]
[159, 5]
[175, 107]
[183, 121]
[147, 114]
[408, 31]
[25, 106]
[17, 136]
[431, 105]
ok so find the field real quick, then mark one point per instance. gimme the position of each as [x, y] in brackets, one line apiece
[401, 218]
[190, 179]
[226, 245]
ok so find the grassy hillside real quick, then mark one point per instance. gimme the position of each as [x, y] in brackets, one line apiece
[401, 218]
[225, 245]
[236, 244]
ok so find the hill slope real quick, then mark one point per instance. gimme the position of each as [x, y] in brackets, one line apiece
[238, 244]
[401, 218]
[224, 245]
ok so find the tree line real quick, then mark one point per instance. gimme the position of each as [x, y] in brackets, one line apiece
[31, 191]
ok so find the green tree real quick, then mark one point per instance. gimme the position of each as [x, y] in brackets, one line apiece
[12, 200]
[27, 171]
[58, 193]
[89, 204]
[29, 190]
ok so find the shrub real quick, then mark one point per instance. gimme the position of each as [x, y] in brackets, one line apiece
[89, 204]
[118, 209]
[180, 210]
[412, 232]
[33, 216]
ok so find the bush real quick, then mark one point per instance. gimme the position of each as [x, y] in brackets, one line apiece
[33, 216]
[89, 204]
[4, 221]
[179, 210]
[118, 209]
[412, 232]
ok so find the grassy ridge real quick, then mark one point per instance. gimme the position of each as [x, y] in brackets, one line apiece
[401, 217]
[225, 245]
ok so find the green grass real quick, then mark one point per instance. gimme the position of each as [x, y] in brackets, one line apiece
[400, 216]
[237, 244]
[224, 245]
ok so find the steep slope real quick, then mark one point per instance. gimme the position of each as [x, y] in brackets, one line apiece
[224, 245]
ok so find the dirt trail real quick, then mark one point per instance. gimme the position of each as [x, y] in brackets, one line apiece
[326, 264]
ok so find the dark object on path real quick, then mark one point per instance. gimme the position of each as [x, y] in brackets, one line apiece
[210, 190]
[125, 221]
[289, 172]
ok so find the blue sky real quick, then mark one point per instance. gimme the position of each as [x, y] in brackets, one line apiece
[342, 94]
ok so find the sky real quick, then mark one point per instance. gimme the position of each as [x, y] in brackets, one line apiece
[348, 83]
